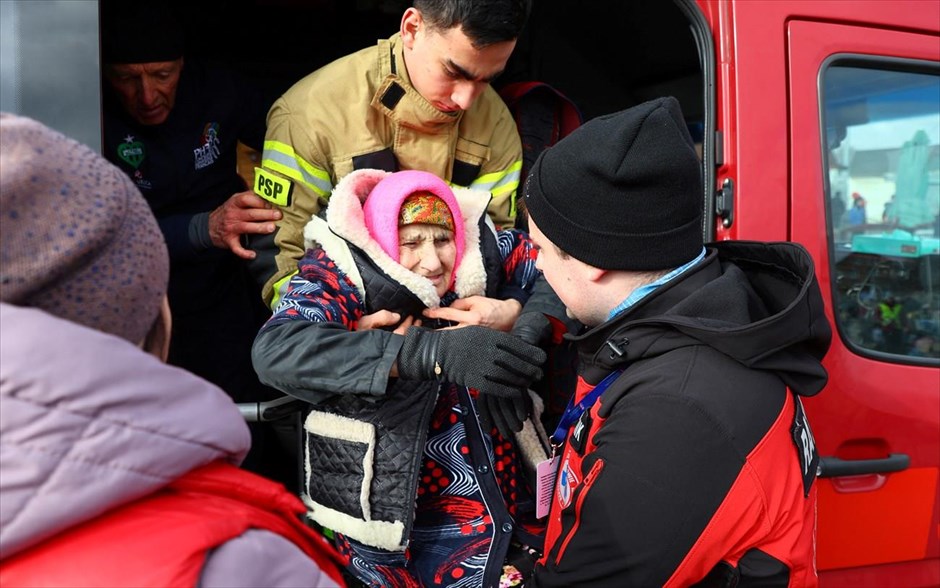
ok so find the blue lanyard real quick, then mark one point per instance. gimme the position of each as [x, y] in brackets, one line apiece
[574, 411]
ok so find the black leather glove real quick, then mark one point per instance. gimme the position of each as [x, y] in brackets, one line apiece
[533, 327]
[491, 361]
[508, 414]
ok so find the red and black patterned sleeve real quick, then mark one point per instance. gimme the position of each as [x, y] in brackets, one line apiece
[519, 255]
[319, 292]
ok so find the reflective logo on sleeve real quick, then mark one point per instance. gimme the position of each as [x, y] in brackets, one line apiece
[272, 188]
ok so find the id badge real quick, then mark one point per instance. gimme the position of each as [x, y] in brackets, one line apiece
[545, 471]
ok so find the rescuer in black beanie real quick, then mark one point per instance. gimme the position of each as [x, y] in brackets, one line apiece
[691, 365]
[623, 191]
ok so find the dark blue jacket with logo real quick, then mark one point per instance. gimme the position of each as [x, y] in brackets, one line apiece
[185, 168]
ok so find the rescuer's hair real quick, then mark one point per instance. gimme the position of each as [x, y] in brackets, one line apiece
[485, 22]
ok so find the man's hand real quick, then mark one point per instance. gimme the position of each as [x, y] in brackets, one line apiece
[479, 310]
[386, 318]
[534, 328]
[243, 213]
[507, 414]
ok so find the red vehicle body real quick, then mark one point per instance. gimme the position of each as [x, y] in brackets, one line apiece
[876, 527]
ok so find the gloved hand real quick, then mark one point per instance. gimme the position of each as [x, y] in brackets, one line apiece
[508, 414]
[491, 361]
[533, 327]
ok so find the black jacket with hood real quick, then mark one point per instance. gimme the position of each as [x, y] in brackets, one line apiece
[696, 464]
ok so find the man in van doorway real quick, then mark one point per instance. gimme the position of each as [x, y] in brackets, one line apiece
[173, 125]
[418, 100]
[686, 455]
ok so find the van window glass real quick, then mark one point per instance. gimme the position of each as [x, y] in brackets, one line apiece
[882, 130]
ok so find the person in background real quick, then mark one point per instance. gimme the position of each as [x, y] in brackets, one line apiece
[891, 324]
[856, 214]
[115, 468]
[687, 458]
[418, 100]
[838, 209]
[173, 125]
[923, 345]
[421, 491]
[889, 214]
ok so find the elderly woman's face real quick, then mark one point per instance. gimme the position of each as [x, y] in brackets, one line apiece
[429, 251]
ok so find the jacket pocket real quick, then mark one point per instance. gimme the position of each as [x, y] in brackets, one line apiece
[581, 494]
[469, 159]
[339, 460]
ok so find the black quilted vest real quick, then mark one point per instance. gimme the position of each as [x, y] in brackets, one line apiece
[340, 474]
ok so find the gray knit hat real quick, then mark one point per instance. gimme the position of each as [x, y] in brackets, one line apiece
[623, 191]
[77, 239]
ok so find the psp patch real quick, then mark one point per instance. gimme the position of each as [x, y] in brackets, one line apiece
[273, 188]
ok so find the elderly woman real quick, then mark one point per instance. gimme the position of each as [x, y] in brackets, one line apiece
[396, 456]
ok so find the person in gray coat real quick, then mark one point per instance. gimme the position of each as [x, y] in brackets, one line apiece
[115, 468]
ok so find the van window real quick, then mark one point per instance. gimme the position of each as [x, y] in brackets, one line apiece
[882, 129]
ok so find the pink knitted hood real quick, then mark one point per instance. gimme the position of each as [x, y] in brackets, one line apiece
[382, 207]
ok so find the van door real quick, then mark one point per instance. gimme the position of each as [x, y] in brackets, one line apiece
[864, 126]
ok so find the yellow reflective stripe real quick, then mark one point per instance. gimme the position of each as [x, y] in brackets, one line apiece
[501, 182]
[282, 158]
[280, 288]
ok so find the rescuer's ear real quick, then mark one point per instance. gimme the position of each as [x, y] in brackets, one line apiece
[411, 23]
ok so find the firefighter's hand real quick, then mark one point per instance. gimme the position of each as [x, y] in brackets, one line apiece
[479, 310]
[386, 318]
[243, 213]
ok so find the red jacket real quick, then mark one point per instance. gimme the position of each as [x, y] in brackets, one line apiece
[163, 539]
[696, 464]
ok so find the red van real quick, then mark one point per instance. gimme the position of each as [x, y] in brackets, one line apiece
[819, 122]
[822, 108]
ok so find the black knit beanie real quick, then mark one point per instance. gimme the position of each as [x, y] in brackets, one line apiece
[623, 191]
[140, 31]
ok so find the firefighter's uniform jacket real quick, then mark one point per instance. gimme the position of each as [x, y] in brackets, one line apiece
[361, 111]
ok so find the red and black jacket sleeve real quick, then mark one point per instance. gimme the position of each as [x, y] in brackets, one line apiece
[675, 476]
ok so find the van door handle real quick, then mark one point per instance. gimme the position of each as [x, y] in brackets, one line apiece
[832, 467]
[724, 203]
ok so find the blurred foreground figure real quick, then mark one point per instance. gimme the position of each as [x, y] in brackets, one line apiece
[115, 468]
